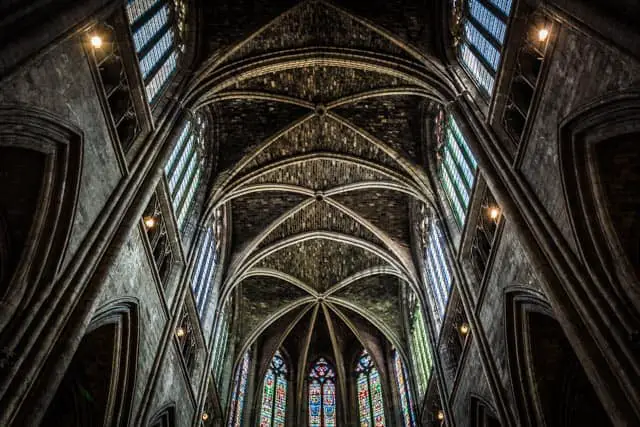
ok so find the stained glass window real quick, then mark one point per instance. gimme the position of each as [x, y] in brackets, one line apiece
[370, 403]
[457, 166]
[483, 32]
[420, 349]
[406, 401]
[184, 168]
[156, 27]
[274, 394]
[220, 347]
[322, 395]
[239, 392]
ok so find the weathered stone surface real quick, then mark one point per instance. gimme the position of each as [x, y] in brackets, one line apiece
[386, 209]
[378, 294]
[320, 216]
[321, 84]
[321, 263]
[394, 120]
[322, 134]
[306, 26]
[569, 85]
[60, 83]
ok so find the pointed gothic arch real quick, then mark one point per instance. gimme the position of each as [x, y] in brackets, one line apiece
[98, 387]
[165, 416]
[482, 413]
[599, 153]
[548, 381]
[36, 209]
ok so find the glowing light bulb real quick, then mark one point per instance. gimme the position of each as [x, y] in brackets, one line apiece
[149, 222]
[180, 332]
[205, 416]
[543, 33]
[440, 415]
[494, 213]
[464, 329]
[96, 41]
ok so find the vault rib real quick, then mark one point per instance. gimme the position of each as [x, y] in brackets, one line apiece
[375, 271]
[232, 280]
[405, 258]
[271, 319]
[320, 156]
[366, 314]
[258, 95]
[269, 272]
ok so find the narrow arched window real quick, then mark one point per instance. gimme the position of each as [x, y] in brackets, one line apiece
[157, 27]
[481, 33]
[322, 395]
[420, 349]
[220, 347]
[274, 393]
[438, 271]
[370, 403]
[184, 167]
[456, 165]
[239, 392]
[406, 401]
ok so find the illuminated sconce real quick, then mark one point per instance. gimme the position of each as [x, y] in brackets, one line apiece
[494, 212]
[464, 329]
[149, 222]
[440, 415]
[96, 41]
[543, 34]
[205, 416]
[180, 332]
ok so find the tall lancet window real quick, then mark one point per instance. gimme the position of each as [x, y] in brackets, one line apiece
[481, 27]
[157, 27]
[438, 271]
[322, 395]
[420, 349]
[239, 392]
[370, 403]
[274, 393]
[184, 168]
[456, 165]
[406, 401]
[202, 282]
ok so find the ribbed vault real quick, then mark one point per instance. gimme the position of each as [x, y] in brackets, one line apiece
[321, 144]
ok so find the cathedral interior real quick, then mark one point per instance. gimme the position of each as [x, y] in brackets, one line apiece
[320, 213]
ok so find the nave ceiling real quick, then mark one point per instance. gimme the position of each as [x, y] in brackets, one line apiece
[320, 120]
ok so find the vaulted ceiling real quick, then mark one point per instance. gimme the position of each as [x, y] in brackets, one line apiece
[319, 116]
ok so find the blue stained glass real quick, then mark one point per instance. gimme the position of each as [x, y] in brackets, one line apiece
[486, 49]
[322, 395]
[137, 8]
[495, 26]
[503, 5]
[406, 401]
[161, 77]
[239, 392]
[370, 403]
[180, 146]
[274, 394]
[476, 68]
[144, 34]
[151, 59]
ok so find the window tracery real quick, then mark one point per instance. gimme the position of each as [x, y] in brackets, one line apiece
[274, 393]
[419, 345]
[370, 402]
[406, 401]
[184, 168]
[239, 392]
[322, 395]
[480, 28]
[157, 27]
